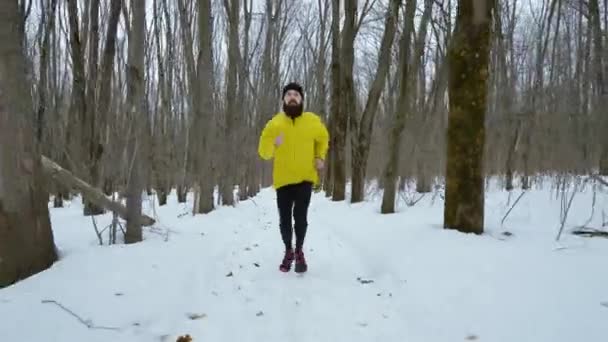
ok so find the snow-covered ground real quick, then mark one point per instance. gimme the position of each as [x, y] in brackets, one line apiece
[371, 277]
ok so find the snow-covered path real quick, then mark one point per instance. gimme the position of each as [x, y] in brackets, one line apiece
[371, 277]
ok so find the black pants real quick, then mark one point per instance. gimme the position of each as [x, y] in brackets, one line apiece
[294, 197]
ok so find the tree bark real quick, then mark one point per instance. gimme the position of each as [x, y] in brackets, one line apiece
[469, 64]
[26, 239]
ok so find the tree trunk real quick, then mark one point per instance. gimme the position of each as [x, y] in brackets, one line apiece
[78, 109]
[105, 86]
[602, 89]
[136, 106]
[229, 180]
[92, 133]
[182, 193]
[26, 239]
[205, 110]
[339, 116]
[469, 63]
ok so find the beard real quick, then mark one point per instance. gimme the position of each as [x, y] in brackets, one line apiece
[292, 109]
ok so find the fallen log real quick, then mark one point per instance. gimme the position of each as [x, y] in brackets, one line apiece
[92, 194]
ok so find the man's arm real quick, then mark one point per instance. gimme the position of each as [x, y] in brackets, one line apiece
[321, 140]
[266, 144]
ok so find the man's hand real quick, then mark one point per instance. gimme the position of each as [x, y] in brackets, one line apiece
[278, 140]
[319, 164]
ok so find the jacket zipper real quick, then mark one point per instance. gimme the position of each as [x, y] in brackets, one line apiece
[293, 149]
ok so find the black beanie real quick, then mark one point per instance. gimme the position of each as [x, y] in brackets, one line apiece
[293, 86]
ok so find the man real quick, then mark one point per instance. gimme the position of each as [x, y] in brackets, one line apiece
[298, 142]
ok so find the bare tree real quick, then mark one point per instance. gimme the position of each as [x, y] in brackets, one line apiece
[345, 97]
[206, 83]
[228, 180]
[104, 96]
[335, 171]
[403, 107]
[601, 72]
[362, 129]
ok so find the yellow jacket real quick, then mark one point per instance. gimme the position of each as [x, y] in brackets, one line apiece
[304, 139]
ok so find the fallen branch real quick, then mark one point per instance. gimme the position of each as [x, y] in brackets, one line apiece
[87, 323]
[512, 207]
[590, 233]
[94, 195]
[599, 179]
[411, 202]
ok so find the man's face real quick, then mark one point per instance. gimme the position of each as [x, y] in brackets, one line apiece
[292, 98]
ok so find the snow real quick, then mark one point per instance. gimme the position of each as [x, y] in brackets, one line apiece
[372, 277]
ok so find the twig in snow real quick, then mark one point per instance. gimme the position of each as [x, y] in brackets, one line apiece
[592, 209]
[410, 203]
[436, 192]
[565, 210]
[512, 207]
[88, 323]
[99, 237]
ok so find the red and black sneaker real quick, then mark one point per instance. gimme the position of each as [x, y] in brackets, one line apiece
[287, 260]
[301, 265]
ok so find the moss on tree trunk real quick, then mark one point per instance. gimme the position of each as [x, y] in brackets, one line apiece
[468, 57]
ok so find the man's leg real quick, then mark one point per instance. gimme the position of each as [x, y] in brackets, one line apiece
[285, 201]
[300, 212]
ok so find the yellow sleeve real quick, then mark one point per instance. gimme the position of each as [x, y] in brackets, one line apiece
[321, 140]
[266, 144]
